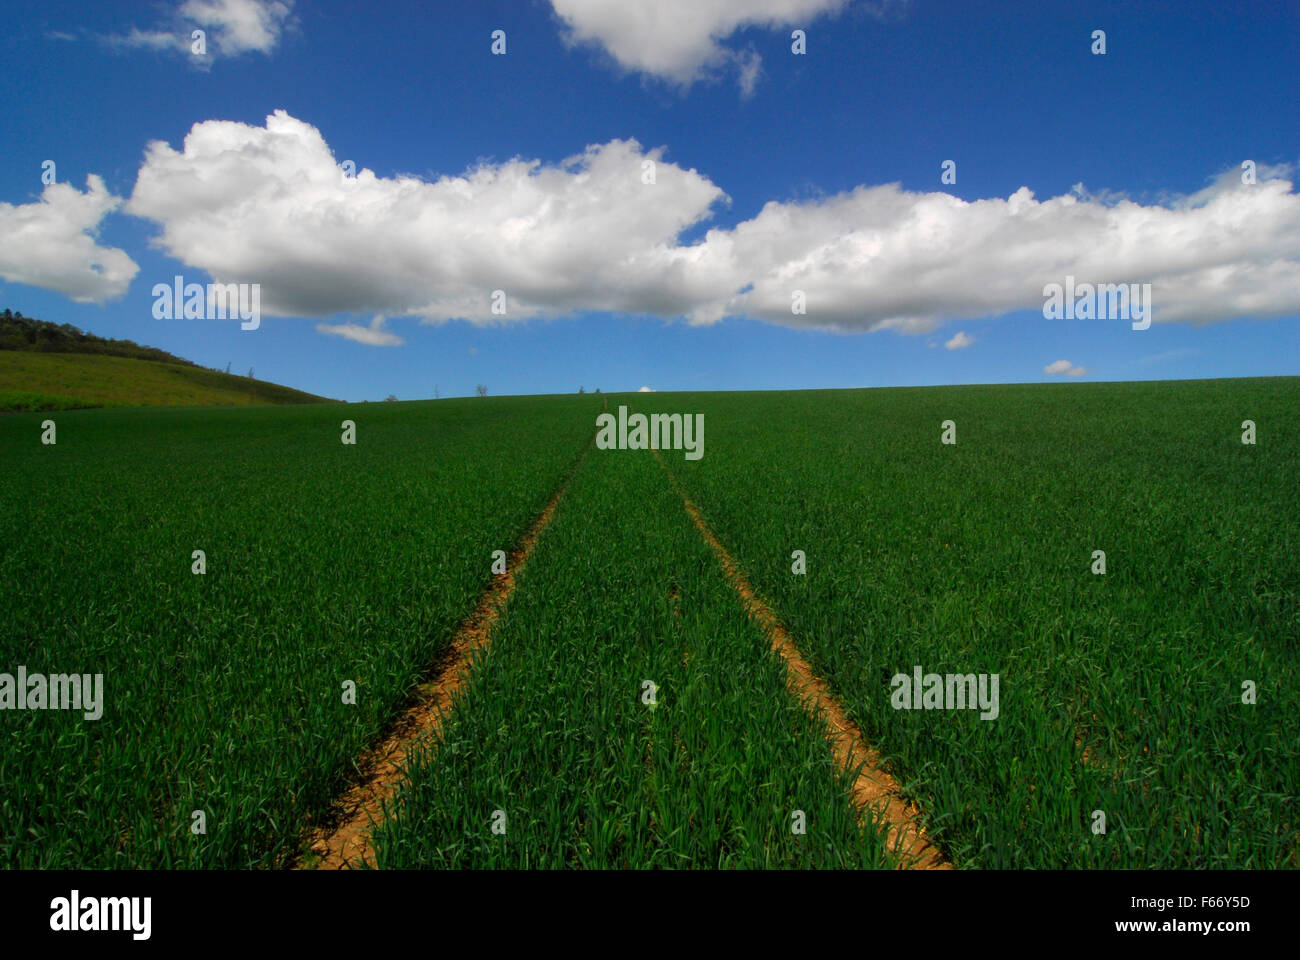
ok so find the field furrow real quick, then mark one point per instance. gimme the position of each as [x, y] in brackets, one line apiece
[237, 701]
[1151, 701]
[627, 714]
[347, 841]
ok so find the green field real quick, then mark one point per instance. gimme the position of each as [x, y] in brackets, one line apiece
[622, 591]
[1120, 692]
[976, 558]
[325, 563]
[62, 381]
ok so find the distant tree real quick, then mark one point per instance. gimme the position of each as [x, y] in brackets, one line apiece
[227, 366]
[580, 390]
[598, 389]
[481, 390]
[250, 373]
[389, 399]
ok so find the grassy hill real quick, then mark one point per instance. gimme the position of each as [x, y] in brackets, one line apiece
[65, 381]
[46, 366]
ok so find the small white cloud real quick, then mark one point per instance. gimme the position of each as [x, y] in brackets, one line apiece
[240, 26]
[645, 390]
[750, 65]
[232, 27]
[51, 244]
[959, 341]
[1064, 367]
[679, 40]
[372, 336]
[174, 40]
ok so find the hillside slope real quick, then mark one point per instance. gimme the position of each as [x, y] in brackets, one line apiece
[47, 366]
[63, 381]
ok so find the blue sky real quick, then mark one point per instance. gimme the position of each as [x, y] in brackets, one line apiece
[884, 95]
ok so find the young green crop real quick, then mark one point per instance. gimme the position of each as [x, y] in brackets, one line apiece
[326, 563]
[1120, 693]
[555, 743]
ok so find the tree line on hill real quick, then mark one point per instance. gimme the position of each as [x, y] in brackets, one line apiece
[27, 333]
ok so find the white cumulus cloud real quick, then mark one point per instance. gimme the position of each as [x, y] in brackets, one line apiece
[51, 243]
[883, 257]
[959, 340]
[1063, 367]
[645, 390]
[269, 204]
[680, 40]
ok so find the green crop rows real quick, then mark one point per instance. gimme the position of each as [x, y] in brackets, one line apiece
[976, 558]
[556, 733]
[1120, 694]
[325, 563]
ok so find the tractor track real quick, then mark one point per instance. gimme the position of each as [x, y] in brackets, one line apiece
[874, 788]
[345, 838]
